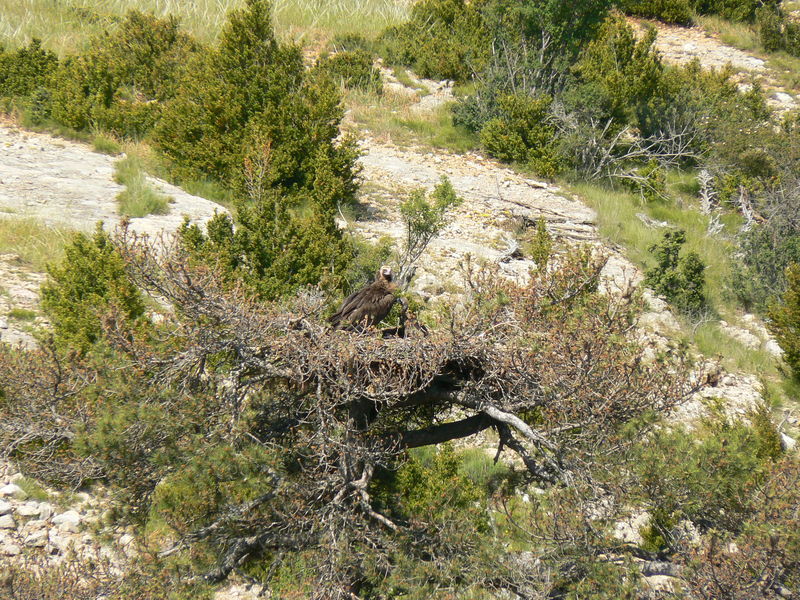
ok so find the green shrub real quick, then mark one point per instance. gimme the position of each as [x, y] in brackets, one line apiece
[680, 279]
[249, 92]
[215, 477]
[118, 83]
[353, 70]
[735, 10]
[90, 280]
[784, 320]
[722, 463]
[444, 39]
[281, 240]
[777, 32]
[524, 133]
[26, 69]
[625, 72]
[669, 11]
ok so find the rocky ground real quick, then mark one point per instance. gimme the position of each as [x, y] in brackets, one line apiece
[65, 183]
[681, 45]
[57, 524]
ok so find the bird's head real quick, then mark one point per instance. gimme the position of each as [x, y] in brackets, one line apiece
[385, 273]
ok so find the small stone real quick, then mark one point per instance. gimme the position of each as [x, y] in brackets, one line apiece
[14, 491]
[788, 443]
[59, 540]
[7, 522]
[10, 549]
[773, 348]
[68, 521]
[29, 509]
[46, 510]
[38, 539]
[3, 324]
[5, 507]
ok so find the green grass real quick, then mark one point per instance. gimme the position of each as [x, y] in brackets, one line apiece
[402, 75]
[712, 341]
[66, 26]
[739, 35]
[617, 221]
[22, 314]
[33, 489]
[391, 117]
[34, 242]
[105, 144]
[139, 198]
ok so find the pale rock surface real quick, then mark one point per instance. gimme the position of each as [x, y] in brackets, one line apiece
[37, 539]
[29, 509]
[629, 530]
[5, 507]
[14, 491]
[46, 510]
[68, 521]
[7, 522]
[240, 592]
[788, 443]
[64, 183]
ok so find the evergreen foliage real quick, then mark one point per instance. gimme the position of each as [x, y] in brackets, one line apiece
[680, 279]
[784, 319]
[89, 282]
[352, 69]
[524, 133]
[26, 69]
[682, 11]
[120, 82]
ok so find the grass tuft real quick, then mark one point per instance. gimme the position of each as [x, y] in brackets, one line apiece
[139, 198]
[22, 314]
[106, 144]
[36, 243]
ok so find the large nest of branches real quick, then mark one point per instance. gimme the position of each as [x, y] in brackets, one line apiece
[552, 367]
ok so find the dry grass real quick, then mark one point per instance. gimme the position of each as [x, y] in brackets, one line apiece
[66, 26]
[392, 118]
[32, 240]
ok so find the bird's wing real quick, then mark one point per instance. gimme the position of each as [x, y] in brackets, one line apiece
[351, 303]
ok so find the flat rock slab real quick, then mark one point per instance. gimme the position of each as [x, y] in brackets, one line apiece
[65, 183]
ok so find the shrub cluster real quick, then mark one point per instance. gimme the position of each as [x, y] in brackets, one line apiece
[25, 70]
[682, 11]
[353, 69]
[121, 81]
[680, 279]
[777, 31]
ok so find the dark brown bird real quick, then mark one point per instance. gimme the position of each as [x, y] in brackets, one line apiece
[368, 306]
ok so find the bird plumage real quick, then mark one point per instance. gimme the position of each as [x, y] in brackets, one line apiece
[368, 306]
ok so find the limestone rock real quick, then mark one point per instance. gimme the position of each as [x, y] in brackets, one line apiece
[628, 530]
[46, 510]
[68, 521]
[29, 509]
[5, 507]
[58, 540]
[10, 549]
[14, 491]
[7, 522]
[37, 539]
[788, 443]
[773, 348]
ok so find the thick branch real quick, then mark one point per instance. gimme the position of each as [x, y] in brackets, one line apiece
[438, 434]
